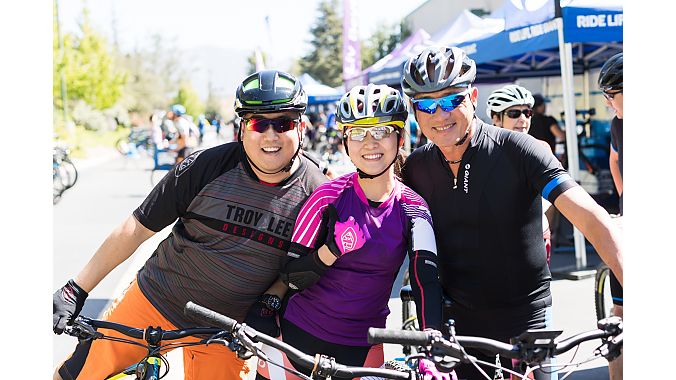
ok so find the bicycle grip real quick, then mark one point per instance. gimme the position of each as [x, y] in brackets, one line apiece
[404, 337]
[209, 316]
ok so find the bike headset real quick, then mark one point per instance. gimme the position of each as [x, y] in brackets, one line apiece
[438, 68]
[270, 91]
[508, 96]
[370, 106]
[610, 77]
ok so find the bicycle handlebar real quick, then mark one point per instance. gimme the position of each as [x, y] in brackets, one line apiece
[320, 364]
[532, 345]
[84, 326]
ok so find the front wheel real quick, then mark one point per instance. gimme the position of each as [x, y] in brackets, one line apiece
[602, 295]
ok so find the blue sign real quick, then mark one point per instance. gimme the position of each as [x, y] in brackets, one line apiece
[514, 42]
[592, 25]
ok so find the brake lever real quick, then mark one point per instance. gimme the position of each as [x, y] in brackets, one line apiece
[611, 349]
[83, 331]
[247, 348]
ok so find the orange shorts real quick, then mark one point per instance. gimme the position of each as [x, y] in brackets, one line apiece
[103, 358]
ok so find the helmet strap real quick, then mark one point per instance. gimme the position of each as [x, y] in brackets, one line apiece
[462, 140]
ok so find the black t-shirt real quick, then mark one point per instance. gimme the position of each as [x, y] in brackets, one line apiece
[488, 224]
[232, 233]
[616, 146]
[540, 128]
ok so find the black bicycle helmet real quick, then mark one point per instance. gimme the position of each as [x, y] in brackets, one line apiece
[270, 91]
[610, 77]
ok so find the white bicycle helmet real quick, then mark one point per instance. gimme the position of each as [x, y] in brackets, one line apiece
[437, 68]
[381, 102]
[508, 96]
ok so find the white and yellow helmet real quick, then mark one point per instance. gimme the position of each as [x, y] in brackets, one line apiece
[371, 105]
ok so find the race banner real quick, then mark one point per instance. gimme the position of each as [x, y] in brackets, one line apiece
[351, 48]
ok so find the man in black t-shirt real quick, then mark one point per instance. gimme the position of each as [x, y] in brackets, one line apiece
[483, 185]
[234, 208]
[544, 127]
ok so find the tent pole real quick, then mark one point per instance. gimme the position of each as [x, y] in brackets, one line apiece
[566, 59]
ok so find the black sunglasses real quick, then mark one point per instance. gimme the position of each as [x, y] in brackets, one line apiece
[515, 114]
[611, 95]
[280, 124]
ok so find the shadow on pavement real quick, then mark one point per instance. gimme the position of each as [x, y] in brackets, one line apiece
[94, 307]
[598, 373]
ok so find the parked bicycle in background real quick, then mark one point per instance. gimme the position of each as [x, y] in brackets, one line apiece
[64, 173]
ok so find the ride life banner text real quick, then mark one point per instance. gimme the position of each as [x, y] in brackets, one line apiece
[592, 25]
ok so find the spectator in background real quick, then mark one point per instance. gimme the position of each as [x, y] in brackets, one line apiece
[188, 134]
[544, 127]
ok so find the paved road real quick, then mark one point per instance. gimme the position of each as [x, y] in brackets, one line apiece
[109, 191]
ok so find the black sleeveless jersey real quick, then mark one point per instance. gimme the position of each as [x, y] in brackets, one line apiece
[488, 220]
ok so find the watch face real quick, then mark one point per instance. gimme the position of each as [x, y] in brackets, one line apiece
[272, 301]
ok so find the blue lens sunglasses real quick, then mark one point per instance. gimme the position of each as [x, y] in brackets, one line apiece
[448, 103]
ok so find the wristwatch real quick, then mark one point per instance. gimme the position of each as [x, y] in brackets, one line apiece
[271, 301]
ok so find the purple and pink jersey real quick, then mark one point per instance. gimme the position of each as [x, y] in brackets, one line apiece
[353, 293]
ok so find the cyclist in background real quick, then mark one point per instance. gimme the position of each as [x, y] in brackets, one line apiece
[612, 84]
[510, 107]
[483, 185]
[236, 204]
[188, 134]
[351, 238]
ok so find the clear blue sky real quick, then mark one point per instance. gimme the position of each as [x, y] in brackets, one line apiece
[232, 25]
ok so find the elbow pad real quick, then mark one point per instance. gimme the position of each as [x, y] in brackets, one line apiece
[301, 273]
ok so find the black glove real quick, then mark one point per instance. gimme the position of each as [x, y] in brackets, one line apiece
[329, 219]
[262, 315]
[67, 302]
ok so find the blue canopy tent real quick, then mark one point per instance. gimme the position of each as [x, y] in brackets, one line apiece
[318, 93]
[465, 27]
[532, 50]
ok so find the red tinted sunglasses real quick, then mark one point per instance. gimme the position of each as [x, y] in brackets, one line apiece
[280, 124]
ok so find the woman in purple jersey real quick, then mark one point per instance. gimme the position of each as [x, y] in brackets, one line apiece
[350, 239]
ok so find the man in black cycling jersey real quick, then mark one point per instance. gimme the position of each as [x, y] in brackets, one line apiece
[483, 186]
[612, 84]
[234, 208]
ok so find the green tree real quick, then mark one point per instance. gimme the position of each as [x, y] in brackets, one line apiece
[89, 70]
[251, 62]
[385, 39]
[152, 80]
[324, 61]
[188, 97]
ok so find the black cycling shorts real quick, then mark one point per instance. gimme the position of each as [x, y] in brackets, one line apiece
[615, 290]
[500, 324]
[353, 356]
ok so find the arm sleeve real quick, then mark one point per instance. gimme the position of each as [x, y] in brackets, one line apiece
[541, 168]
[423, 265]
[424, 275]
